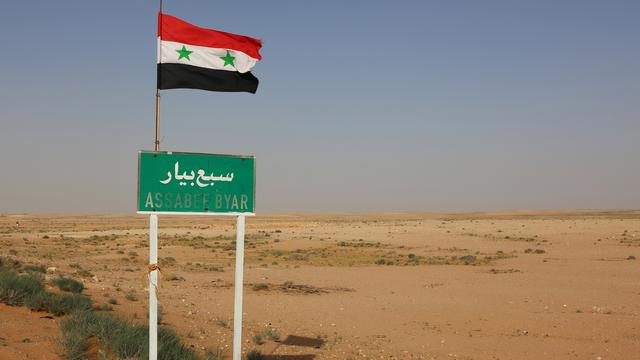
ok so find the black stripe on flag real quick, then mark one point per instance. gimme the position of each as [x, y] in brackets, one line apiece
[181, 76]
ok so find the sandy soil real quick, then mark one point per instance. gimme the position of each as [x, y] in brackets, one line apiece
[520, 285]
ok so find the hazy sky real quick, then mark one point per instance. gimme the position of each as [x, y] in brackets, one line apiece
[362, 105]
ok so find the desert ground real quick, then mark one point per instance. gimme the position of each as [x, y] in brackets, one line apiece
[509, 285]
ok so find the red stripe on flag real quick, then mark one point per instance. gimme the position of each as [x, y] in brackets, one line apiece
[171, 28]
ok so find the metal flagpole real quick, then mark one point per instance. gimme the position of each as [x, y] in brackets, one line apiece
[237, 301]
[157, 142]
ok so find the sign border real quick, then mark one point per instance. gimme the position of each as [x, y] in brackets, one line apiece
[195, 213]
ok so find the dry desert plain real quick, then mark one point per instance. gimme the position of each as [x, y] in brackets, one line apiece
[516, 285]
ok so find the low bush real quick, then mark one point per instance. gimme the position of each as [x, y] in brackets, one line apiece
[58, 304]
[119, 338]
[254, 355]
[260, 286]
[68, 284]
[15, 289]
[35, 268]
[9, 263]
[28, 290]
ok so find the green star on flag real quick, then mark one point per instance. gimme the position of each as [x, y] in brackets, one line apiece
[228, 59]
[184, 53]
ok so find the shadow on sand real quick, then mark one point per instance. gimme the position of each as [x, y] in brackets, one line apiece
[294, 340]
[302, 341]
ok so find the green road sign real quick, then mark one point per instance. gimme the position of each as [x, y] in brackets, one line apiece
[170, 182]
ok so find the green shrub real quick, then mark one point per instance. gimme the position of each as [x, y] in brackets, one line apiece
[9, 263]
[15, 289]
[468, 259]
[534, 251]
[119, 338]
[58, 304]
[254, 355]
[272, 334]
[35, 268]
[260, 286]
[131, 296]
[296, 256]
[257, 338]
[68, 284]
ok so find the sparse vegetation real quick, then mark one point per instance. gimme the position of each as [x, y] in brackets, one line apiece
[360, 244]
[413, 259]
[9, 263]
[16, 289]
[118, 338]
[534, 251]
[268, 333]
[271, 334]
[58, 304]
[174, 277]
[504, 271]
[131, 295]
[29, 290]
[68, 284]
[258, 339]
[254, 355]
[336, 242]
[222, 323]
[260, 286]
[290, 287]
[35, 268]
[169, 260]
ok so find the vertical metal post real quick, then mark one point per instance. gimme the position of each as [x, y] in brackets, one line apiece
[153, 283]
[157, 142]
[237, 301]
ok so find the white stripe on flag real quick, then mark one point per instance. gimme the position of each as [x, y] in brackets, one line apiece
[205, 57]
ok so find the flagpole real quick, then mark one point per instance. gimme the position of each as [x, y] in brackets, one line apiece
[157, 141]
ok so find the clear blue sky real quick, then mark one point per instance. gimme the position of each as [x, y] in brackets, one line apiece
[362, 105]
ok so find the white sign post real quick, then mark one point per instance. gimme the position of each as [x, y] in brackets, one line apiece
[153, 269]
[237, 300]
[153, 285]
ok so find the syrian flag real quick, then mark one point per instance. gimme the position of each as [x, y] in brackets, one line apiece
[197, 58]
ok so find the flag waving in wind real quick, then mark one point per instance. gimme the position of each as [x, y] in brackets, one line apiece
[197, 58]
